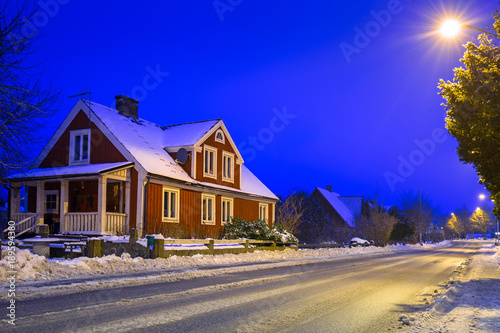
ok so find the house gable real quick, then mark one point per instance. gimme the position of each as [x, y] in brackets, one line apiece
[101, 148]
[225, 153]
[333, 213]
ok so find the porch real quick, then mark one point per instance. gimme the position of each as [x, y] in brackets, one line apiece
[78, 204]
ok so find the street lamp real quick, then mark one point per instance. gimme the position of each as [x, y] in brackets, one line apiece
[482, 196]
[451, 28]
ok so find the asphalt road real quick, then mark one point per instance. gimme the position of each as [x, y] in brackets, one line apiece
[362, 294]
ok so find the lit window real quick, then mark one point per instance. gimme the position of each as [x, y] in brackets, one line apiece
[51, 201]
[263, 212]
[219, 136]
[170, 204]
[228, 167]
[79, 152]
[208, 209]
[227, 209]
[210, 162]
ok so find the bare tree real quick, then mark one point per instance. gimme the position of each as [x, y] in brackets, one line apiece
[459, 222]
[24, 101]
[481, 220]
[376, 224]
[289, 211]
[419, 211]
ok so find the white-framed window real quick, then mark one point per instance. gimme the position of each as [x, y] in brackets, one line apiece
[52, 202]
[210, 162]
[79, 147]
[226, 209]
[170, 205]
[219, 136]
[263, 212]
[208, 209]
[227, 167]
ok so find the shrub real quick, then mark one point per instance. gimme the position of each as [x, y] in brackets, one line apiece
[240, 228]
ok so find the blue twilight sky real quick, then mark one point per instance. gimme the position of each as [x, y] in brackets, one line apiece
[313, 93]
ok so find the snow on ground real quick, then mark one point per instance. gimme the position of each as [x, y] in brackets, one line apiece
[33, 270]
[471, 302]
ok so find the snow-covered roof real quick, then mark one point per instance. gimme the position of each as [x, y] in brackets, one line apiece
[144, 140]
[77, 170]
[187, 134]
[338, 205]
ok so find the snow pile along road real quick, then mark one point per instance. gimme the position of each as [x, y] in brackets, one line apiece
[37, 268]
[471, 303]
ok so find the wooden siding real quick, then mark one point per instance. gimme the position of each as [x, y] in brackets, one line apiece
[189, 225]
[101, 148]
[220, 148]
[186, 165]
[246, 209]
[153, 213]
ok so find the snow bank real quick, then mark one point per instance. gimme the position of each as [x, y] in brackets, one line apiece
[36, 268]
[469, 303]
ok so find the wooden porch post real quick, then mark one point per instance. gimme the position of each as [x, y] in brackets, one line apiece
[40, 200]
[63, 205]
[127, 204]
[15, 200]
[101, 204]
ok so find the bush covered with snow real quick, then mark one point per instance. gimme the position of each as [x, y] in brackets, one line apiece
[240, 228]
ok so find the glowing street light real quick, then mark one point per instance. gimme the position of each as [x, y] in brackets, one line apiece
[482, 196]
[451, 28]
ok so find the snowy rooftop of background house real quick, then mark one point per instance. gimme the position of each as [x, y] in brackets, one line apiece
[88, 169]
[338, 205]
[146, 142]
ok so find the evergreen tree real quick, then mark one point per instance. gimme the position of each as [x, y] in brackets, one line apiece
[473, 110]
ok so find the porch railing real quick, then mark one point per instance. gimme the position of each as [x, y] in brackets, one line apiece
[24, 222]
[116, 223]
[81, 222]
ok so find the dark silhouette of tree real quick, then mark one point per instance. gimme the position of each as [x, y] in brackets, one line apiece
[24, 102]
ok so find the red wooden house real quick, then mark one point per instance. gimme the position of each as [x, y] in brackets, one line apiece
[105, 171]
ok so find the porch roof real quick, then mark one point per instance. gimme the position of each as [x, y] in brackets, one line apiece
[69, 171]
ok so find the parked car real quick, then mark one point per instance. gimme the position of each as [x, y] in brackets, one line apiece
[358, 242]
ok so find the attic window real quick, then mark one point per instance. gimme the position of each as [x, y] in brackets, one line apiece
[219, 136]
[79, 143]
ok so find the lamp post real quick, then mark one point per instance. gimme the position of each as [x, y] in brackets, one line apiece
[482, 197]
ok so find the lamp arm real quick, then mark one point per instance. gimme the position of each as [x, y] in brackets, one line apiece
[481, 30]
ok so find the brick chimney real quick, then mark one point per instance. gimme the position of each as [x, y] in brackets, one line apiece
[329, 188]
[127, 106]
